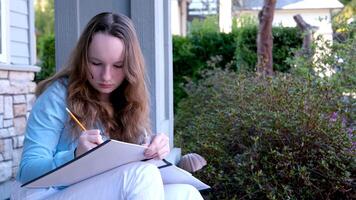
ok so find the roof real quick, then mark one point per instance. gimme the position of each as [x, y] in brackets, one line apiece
[290, 4]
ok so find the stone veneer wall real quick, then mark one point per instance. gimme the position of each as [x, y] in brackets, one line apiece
[16, 98]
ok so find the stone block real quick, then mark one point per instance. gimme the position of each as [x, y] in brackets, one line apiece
[8, 123]
[4, 133]
[8, 111]
[4, 86]
[19, 99]
[20, 110]
[30, 100]
[20, 125]
[21, 76]
[5, 171]
[7, 149]
[14, 171]
[17, 141]
[17, 87]
[16, 157]
[11, 131]
[4, 74]
[2, 146]
[31, 87]
[1, 104]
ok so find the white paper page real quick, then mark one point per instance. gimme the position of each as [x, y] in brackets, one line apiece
[108, 156]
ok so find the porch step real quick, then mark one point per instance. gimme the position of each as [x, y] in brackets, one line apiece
[5, 189]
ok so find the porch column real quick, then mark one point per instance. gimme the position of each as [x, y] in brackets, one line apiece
[152, 22]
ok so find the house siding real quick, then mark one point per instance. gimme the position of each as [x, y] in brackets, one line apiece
[321, 18]
[19, 32]
[19, 35]
[315, 12]
[292, 4]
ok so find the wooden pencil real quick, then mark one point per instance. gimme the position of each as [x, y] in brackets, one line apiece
[76, 120]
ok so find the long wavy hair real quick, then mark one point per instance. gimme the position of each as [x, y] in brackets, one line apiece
[129, 120]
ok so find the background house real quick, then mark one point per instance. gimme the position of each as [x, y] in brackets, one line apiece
[314, 12]
[17, 69]
[185, 11]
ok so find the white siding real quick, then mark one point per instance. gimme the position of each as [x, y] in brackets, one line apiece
[19, 35]
[293, 4]
[17, 60]
[19, 6]
[18, 20]
[20, 40]
[315, 17]
[19, 49]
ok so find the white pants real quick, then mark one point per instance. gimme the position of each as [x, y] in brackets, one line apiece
[137, 180]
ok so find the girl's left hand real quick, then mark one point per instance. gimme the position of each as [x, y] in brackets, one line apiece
[159, 147]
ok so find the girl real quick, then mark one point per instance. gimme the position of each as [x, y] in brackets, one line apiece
[104, 86]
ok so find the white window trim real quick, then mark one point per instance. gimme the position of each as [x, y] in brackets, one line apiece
[4, 55]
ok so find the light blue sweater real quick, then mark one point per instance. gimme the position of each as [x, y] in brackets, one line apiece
[48, 142]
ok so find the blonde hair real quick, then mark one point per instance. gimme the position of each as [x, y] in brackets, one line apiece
[130, 101]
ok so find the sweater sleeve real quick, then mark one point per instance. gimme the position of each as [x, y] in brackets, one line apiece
[43, 131]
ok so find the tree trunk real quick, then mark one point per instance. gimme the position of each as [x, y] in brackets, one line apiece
[184, 13]
[307, 31]
[264, 39]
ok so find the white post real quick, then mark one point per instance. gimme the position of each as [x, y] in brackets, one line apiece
[225, 20]
[152, 22]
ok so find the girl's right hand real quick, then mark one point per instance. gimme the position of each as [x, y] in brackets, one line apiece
[88, 140]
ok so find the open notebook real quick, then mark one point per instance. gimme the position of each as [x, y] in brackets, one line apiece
[104, 157]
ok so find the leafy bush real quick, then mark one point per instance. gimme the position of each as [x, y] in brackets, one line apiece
[274, 138]
[183, 57]
[284, 39]
[197, 51]
[47, 57]
[208, 25]
[206, 47]
[332, 62]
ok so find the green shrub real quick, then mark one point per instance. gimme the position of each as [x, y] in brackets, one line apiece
[47, 57]
[208, 25]
[274, 138]
[332, 62]
[246, 48]
[206, 47]
[284, 40]
[183, 57]
[197, 51]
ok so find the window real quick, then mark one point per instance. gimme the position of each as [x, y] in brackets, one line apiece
[4, 30]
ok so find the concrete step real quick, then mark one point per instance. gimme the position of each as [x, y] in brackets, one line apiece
[5, 189]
